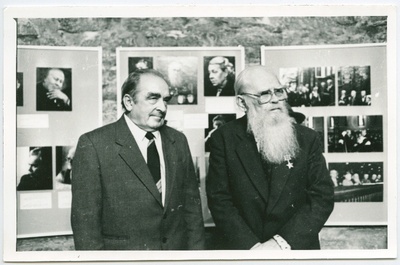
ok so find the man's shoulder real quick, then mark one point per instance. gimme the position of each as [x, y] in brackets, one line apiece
[104, 130]
[171, 132]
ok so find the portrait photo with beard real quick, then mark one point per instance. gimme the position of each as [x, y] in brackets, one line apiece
[181, 73]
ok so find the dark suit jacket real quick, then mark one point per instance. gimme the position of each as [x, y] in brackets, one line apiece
[247, 209]
[115, 202]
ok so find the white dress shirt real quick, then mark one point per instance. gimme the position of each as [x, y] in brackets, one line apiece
[143, 142]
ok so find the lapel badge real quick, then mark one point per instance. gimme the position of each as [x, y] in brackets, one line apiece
[287, 159]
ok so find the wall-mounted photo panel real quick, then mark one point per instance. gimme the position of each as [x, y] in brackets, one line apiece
[191, 72]
[309, 86]
[349, 134]
[53, 89]
[20, 89]
[214, 122]
[34, 168]
[354, 86]
[219, 76]
[62, 99]
[64, 158]
[181, 72]
[357, 182]
[137, 63]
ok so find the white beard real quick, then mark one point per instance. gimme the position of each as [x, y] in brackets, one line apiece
[275, 135]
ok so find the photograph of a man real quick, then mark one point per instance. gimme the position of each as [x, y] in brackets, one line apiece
[53, 89]
[268, 186]
[39, 176]
[134, 185]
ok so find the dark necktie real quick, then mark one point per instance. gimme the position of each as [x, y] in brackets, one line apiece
[153, 160]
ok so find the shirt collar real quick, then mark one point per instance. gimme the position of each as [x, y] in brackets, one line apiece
[137, 132]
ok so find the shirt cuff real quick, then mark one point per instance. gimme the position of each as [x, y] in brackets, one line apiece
[283, 244]
[256, 245]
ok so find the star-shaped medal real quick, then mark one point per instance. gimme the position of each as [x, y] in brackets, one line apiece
[287, 159]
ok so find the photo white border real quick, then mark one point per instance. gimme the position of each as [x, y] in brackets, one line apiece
[10, 253]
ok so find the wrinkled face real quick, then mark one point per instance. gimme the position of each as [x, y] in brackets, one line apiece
[216, 75]
[34, 165]
[54, 80]
[256, 86]
[149, 107]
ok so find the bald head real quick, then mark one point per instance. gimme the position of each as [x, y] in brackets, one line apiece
[256, 79]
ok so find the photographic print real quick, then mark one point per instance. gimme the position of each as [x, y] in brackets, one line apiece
[34, 171]
[53, 89]
[219, 76]
[64, 158]
[309, 86]
[357, 182]
[354, 86]
[136, 63]
[20, 89]
[317, 124]
[351, 134]
[181, 73]
[214, 122]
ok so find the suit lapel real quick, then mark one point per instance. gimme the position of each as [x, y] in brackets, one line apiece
[248, 153]
[132, 156]
[171, 160]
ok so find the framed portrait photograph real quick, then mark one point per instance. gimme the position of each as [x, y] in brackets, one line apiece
[34, 172]
[53, 89]
[219, 76]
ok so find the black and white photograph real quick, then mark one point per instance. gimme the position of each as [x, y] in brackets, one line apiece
[20, 89]
[181, 73]
[357, 182]
[309, 86]
[219, 76]
[281, 167]
[317, 124]
[64, 158]
[34, 170]
[137, 63]
[53, 89]
[214, 122]
[354, 86]
[350, 134]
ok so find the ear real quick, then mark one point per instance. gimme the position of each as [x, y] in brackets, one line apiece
[128, 102]
[241, 103]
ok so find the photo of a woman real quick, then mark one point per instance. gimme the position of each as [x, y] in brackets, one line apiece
[219, 76]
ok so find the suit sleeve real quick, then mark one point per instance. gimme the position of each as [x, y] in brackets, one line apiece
[193, 211]
[86, 197]
[225, 215]
[302, 229]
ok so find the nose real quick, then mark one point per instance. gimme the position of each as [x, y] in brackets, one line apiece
[274, 98]
[162, 105]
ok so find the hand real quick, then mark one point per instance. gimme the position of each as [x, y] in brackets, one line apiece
[58, 94]
[267, 245]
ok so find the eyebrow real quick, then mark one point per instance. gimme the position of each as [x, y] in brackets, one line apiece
[157, 95]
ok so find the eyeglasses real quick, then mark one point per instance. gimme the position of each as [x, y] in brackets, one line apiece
[266, 96]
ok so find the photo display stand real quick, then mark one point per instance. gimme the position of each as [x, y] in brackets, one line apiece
[58, 99]
[343, 92]
[202, 96]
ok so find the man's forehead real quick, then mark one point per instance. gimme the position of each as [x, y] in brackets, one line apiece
[262, 83]
[56, 72]
[152, 83]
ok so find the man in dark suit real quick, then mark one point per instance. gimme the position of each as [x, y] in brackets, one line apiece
[268, 186]
[132, 190]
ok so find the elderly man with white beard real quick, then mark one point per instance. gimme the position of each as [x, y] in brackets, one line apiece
[268, 186]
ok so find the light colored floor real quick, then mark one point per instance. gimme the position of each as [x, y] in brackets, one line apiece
[331, 238]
